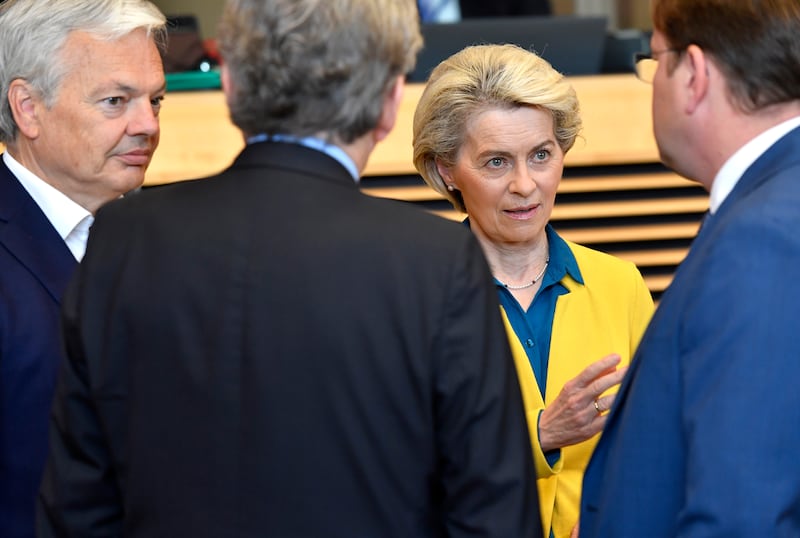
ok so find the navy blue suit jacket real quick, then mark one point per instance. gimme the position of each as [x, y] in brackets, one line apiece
[704, 436]
[35, 265]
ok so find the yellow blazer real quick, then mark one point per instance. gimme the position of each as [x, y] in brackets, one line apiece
[607, 314]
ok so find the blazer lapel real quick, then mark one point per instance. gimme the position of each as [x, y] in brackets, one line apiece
[29, 237]
[784, 153]
[786, 150]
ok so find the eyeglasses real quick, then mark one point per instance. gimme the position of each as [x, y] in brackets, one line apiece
[646, 64]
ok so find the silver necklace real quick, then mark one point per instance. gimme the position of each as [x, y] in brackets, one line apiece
[529, 284]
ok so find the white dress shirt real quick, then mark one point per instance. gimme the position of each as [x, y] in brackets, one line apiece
[735, 167]
[71, 221]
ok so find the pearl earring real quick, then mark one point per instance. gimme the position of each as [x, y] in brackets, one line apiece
[450, 188]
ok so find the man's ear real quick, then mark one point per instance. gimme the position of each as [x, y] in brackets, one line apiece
[391, 105]
[25, 104]
[697, 86]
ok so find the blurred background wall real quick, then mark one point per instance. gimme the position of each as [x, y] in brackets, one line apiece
[620, 13]
[207, 12]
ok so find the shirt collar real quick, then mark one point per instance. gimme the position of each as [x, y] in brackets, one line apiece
[313, 142]
[62, 212]
[562, 260]
[735, 167]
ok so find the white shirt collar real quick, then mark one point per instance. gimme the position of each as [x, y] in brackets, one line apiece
[64, 214]
[735, 167]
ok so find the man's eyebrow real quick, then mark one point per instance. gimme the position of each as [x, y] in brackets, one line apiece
[118, 86]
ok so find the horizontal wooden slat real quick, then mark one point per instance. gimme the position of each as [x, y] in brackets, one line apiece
[639, 232]
[625, 182]
[657, 283]
[612, 234]
[450, 214]
[655, 257]
[630, 208]
[407, 193]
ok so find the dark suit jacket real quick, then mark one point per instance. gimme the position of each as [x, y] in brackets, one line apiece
[497, 8]
[271, 352]
[35, 265]
[704, 436]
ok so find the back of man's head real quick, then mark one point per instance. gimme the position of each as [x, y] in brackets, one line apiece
[32, 33]
[315, 67]
[756, 44]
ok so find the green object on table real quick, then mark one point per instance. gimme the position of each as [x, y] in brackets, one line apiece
[193, 80]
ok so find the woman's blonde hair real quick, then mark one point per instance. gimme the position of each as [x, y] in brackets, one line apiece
[478, 78]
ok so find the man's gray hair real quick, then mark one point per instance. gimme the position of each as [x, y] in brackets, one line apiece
[315, 67]
[33, 32]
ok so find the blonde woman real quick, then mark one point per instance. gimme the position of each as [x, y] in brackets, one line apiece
[490, 134]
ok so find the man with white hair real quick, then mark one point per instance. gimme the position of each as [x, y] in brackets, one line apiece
[81, 84]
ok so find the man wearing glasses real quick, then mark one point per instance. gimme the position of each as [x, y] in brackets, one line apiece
[705, 430]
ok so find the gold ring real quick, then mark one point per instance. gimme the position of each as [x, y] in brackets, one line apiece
[597, 408]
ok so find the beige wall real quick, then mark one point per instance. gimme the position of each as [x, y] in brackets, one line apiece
[626, 13]
[562, 7]
[634, 14]
[207, 12]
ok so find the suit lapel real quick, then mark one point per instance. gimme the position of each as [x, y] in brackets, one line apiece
[29, 237]
[782, 155]
[622, 393]
[785, 152]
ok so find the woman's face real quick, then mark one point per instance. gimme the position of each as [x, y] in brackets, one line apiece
[508, 170]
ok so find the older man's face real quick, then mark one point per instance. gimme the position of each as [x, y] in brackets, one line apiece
[96, 140]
